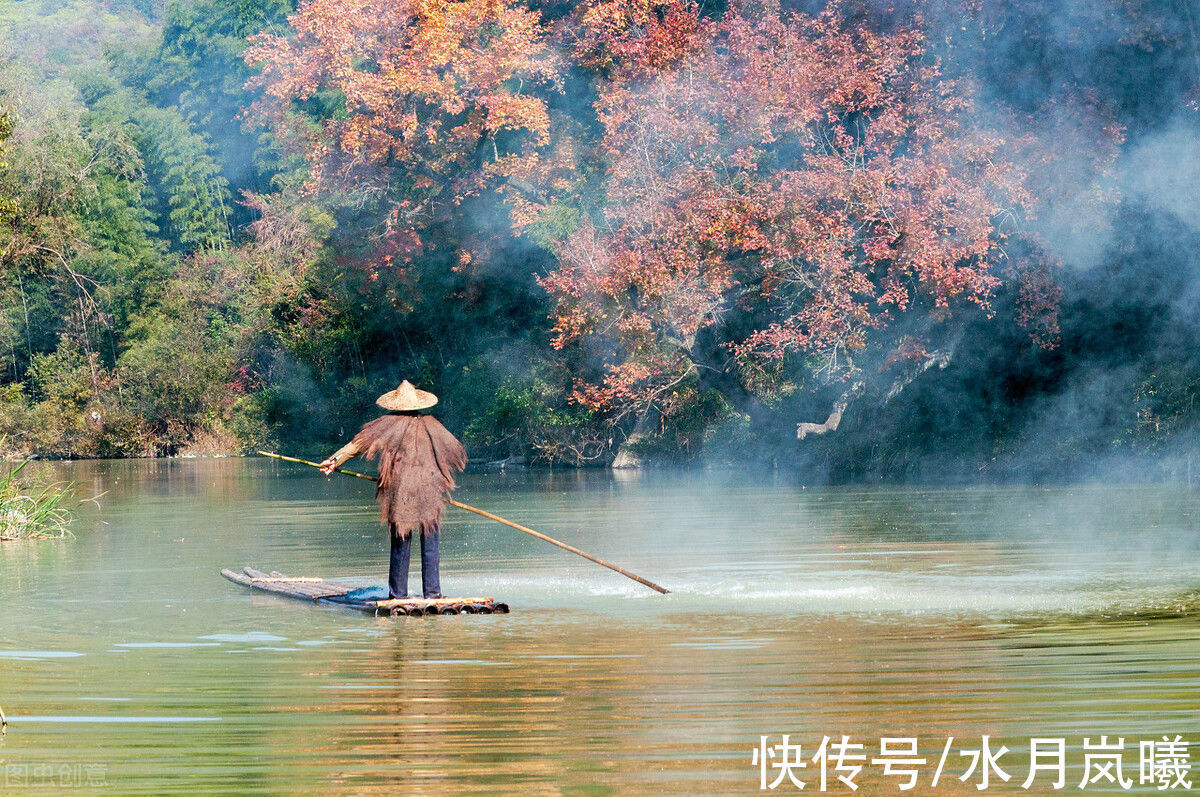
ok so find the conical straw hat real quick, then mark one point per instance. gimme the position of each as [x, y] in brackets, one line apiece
[406, 398]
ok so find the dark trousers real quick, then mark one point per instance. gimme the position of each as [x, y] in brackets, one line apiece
[398, 572]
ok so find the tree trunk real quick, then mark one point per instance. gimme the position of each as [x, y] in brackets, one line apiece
[626, 457]
[831, 424]
[939, 358]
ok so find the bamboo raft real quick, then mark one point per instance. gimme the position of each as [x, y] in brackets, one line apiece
[318, 590]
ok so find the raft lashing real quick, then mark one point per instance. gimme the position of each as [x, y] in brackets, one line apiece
[369, 599]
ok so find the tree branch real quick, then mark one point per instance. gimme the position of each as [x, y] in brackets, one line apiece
[835, 416]
[940, 358]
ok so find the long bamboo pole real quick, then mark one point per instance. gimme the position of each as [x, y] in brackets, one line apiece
[498, 519]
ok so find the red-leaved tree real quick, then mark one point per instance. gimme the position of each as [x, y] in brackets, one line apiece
[403, 108]
[813, 194]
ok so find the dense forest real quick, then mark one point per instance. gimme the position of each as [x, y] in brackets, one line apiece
[937, 239]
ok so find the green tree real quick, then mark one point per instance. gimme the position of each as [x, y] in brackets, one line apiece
[196, 67]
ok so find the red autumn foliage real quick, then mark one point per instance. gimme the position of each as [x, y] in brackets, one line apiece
[637, 39]
[815, 177]
[1038, 298]
[793, 186]
[436, 103]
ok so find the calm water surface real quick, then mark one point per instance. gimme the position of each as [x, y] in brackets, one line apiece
[130, 666]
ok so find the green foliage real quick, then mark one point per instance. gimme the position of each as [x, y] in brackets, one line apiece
[1165, 402]
[76, 411]
[527, 418]
[52, 37]
[193, 198]
[66, 388]
[196, 68]
[685, 424]
[553, 226]
[176, 373]
[49, 174]
[185, 194]
[732, 441]
[8, 206]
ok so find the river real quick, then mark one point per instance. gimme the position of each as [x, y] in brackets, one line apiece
[941, 615]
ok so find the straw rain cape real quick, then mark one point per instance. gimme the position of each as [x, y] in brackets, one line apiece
[417, 461]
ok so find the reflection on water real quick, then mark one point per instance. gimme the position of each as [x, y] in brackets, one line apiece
[1010, 612]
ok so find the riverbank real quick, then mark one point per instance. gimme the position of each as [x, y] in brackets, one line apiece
[1120, 468]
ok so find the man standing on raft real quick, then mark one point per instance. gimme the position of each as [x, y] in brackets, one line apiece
[417, 461]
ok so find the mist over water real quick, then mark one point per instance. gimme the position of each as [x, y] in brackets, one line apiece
[926, 612]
